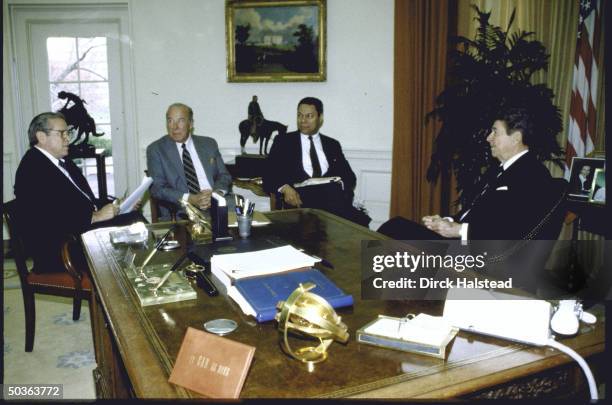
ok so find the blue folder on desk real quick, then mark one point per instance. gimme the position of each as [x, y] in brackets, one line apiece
[263, 293]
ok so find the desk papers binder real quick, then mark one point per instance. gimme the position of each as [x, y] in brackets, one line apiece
[258, 296]
[229, 268]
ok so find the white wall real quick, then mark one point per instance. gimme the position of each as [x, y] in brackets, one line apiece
[179, 54]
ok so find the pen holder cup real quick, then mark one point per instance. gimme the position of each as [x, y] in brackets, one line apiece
[244, 225]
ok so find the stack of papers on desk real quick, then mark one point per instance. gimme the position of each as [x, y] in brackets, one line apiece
[234, 266]
[257, 280]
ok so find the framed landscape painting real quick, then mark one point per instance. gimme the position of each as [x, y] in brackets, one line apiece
[275, 41]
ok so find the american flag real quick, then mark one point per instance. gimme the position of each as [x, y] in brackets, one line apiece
[583, 106]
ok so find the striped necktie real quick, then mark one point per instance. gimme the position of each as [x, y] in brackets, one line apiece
[190, 173]
[314, 159]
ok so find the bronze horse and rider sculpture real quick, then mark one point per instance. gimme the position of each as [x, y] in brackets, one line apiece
[263, 133]
[79, 120]
[259, 128]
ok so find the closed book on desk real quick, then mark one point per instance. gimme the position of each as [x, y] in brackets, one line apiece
[262, 293]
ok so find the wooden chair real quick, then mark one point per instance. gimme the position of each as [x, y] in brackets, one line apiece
[72, 281]
[276, 201]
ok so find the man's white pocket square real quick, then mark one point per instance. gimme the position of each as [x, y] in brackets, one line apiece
[502, 188]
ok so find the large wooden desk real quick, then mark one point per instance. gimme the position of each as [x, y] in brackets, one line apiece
[136, 347]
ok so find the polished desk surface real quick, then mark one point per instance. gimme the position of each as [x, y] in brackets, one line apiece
[149, 338]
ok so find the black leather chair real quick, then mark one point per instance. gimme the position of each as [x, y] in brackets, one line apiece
[527, 258]
[549, 227]
[71, 281]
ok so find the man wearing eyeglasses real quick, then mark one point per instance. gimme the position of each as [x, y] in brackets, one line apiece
[53, 197]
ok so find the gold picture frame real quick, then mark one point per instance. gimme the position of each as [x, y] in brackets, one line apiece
[276, 41]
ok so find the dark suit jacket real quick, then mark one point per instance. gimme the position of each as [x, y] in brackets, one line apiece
[50, 208]
[513, 204]
[165, 166]
[285, 163]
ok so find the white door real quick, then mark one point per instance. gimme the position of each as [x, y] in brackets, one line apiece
[79, 50]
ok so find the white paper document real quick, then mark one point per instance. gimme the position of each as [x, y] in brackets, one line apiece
[315, 181]
[233, 266]
[128, 204]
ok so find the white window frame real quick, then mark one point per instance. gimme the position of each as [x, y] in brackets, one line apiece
[27, 87]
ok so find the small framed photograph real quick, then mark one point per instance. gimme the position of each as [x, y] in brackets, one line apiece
[581, 176]
[598, 188]
[275, 41]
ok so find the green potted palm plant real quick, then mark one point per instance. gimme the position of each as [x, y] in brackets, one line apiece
[486, 74]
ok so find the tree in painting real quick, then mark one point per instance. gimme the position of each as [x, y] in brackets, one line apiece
[305, 57]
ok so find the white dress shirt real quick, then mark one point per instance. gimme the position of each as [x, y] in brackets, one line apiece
[316, 139]
[197, 165]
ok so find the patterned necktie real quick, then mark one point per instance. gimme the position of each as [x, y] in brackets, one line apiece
[314, 159]
[190, 173]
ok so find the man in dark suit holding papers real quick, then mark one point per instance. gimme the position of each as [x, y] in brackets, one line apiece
[54, 198]
[307, 154]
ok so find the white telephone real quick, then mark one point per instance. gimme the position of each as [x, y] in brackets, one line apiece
[498, 314]
[518, 319]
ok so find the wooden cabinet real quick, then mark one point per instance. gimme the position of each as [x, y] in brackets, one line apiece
[110, 376]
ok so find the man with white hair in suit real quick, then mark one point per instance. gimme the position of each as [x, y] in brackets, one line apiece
[185, 166]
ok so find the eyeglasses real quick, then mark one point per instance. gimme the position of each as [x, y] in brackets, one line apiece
[63, 133]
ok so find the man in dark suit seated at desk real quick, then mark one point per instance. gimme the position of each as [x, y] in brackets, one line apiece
[185, 166]
[307, 154]
[514, 198]
[53, 197]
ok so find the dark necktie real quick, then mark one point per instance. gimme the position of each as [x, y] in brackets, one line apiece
[314, 159]
[190, 173]
[64, 166]
[493, 175]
